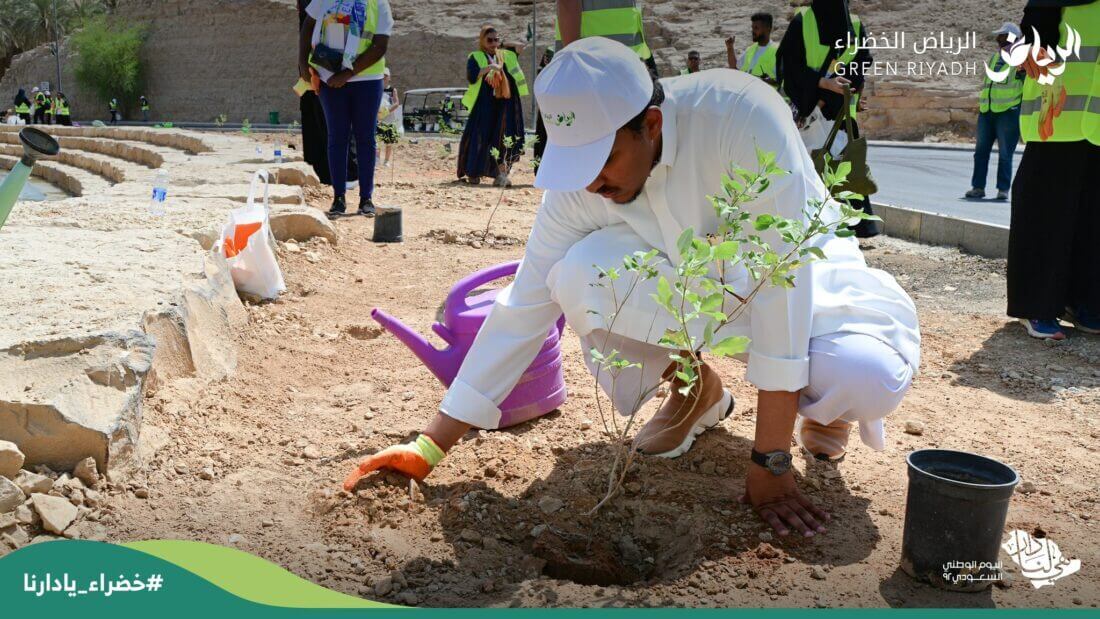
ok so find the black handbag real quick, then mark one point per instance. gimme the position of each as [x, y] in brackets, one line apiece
[328, 58]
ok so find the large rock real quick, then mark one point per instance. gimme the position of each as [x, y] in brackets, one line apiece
[11, 460]
[56, 512]
[302, 225]
[10, 495]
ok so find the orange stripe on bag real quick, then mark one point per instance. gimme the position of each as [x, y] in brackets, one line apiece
[237, 243]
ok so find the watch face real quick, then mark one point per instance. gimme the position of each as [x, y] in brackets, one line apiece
[779, 462]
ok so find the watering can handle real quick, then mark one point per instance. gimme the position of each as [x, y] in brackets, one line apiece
[456, 301]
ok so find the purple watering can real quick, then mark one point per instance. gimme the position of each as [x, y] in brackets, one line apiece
[540, 390]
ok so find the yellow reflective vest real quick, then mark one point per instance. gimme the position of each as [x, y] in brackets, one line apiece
[370, 26]
[511, 64]
[1045, 116]
[1000, 97]
[618, 20]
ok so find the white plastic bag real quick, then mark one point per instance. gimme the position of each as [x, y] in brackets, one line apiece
[248, 246]
[816, 130]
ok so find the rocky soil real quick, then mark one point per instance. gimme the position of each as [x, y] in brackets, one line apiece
[255, 460]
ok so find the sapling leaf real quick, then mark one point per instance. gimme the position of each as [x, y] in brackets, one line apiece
[731, 346]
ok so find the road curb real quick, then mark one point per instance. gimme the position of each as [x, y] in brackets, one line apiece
[980, 238]
[922, 145]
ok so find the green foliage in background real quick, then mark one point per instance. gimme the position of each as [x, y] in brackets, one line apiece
[108, 60]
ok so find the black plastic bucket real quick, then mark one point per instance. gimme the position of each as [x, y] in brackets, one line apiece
[955, 516]
[387, 225]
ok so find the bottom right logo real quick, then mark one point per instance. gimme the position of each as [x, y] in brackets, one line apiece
[1039, 558]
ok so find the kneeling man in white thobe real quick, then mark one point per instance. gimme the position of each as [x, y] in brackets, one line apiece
[629, 165]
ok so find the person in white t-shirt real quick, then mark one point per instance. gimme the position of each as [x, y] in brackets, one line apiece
[346, 42]
[391, 120]
[629, 169]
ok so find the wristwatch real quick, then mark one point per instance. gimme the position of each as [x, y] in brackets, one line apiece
[777, 462]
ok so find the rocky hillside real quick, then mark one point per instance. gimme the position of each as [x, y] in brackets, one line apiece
[237, 57]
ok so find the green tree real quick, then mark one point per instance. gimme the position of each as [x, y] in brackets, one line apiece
[108, 60]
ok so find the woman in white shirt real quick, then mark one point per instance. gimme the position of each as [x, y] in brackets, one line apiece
[346, 42]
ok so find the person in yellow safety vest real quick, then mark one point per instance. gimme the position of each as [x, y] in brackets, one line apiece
[998, 118]
[618, 20]
[23, 106]
[49, 109]
[1053, 264]
[64, 112]
[112, 107]
[759, 58]
[814, 71]
[144, 101]
[493, 138]
[693, 63]
[39, 106]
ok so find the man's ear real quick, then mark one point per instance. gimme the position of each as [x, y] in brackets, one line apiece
[654, 122]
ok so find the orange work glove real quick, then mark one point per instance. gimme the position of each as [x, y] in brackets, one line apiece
[415, 459]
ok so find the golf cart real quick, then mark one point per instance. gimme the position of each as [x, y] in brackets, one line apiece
[428, 110]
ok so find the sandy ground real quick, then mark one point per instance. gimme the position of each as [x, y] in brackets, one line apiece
[256, 461]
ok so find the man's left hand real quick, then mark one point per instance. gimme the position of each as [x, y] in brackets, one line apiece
[777, 500]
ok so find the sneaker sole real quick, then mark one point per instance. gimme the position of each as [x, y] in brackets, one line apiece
[1040, 335]
[715, 415]
[1071, 318]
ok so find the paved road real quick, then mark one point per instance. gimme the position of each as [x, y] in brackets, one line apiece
[934, 180]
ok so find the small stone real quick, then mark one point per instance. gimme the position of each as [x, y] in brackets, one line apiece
[408, 395]
[10, 495]
[292, 247]
[707, 468]
[767, 551]
[883, 512]
[267, 524]
[475, 244]
[206, 474]
[538, 530]
[234, 539]
[25, 515]
[141, 493]
[11, 459]
[383, 586]
[817, 572]
[470, 535]
[765, 536]
[914, 427]
[549, 504]
[57, 513]
[31, 483]
[408, 598]
[1026, 487]
[87, 472]
[8, 520]
[633, 487]
[312, 452]
[586, 424]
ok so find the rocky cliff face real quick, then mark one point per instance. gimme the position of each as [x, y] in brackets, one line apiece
[237, 57]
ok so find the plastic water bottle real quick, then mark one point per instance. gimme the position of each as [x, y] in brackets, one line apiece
[278, 152]
[160, 193]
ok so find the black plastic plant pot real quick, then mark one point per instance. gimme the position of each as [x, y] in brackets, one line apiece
[955, 516]
[387, 225]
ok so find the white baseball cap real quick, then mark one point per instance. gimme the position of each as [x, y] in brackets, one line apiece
[589, 91]
[1009, 28]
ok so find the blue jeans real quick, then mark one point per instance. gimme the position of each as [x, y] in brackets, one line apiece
[1004, 127]
[354, 107]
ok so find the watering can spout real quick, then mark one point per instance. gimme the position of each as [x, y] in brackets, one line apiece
[433, 358]
[36, 144]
